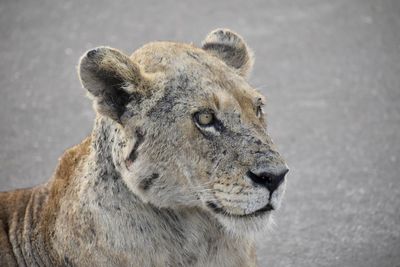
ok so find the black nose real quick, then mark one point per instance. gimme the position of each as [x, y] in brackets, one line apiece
[270, 179]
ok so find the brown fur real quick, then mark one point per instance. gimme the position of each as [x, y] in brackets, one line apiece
[27, 216]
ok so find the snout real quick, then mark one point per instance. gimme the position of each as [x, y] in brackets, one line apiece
[268, 177]
[258, 191]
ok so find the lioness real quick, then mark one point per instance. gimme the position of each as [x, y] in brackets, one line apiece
[178, 171]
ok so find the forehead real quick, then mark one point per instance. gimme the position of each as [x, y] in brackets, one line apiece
[208, 78]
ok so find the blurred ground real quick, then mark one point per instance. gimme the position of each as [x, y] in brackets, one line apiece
[330, 70]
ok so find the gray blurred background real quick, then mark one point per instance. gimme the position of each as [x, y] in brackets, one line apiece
[330, 71]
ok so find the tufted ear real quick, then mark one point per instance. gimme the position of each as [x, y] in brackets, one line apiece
[230, 48]
[112, 79]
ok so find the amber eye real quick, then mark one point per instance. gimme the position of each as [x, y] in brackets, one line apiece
[205, 118]
[208, 123]
[259, 111]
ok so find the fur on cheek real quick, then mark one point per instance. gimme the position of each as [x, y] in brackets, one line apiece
[153, 184]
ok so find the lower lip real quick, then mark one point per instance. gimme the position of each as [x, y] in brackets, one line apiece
[266, 209]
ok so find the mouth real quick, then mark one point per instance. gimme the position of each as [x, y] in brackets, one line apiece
[219, 210]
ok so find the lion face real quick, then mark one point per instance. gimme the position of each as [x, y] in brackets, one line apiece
[192, 130]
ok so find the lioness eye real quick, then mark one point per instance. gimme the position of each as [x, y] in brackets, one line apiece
[205, 118]
[208, 123]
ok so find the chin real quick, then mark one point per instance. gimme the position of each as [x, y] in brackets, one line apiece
[246, 226]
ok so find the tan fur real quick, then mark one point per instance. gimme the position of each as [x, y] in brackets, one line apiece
[27, 216]
[151, 186]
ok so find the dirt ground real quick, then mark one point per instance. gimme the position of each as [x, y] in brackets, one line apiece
[330, 71]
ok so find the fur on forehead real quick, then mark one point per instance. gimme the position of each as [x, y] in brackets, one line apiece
[171, 58]
[239, 98]
[214, 78]
[221, 47]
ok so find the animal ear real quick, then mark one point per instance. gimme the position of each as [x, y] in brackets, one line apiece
[230, 48]
[112, 79]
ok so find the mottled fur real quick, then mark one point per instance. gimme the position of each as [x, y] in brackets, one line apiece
[151, 186]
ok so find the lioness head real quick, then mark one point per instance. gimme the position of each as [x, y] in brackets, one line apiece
[189, 129]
